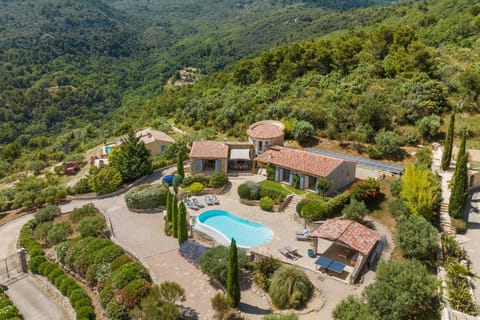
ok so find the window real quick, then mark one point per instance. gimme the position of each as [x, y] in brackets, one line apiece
[260, 146]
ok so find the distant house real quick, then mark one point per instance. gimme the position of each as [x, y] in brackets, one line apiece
[344, 248]
[216, 156]
[266, 133]
[156, 141]
[308, 167]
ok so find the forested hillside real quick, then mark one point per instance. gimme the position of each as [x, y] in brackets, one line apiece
[73, 73]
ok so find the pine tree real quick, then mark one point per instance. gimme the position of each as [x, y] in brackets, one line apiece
[180, 169]
[182, 224]
[459, 196]
[233, 276]
[175, 217]
[133, 159]
[447, 150]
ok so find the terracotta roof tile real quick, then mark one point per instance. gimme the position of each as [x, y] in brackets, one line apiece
[209, 150]
[148, 135]
[350, 233]
[299, 160]
[266, 130]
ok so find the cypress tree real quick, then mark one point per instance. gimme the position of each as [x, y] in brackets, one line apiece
[175, 216]
[447, 150]
[169, 207]
[460, 154]
[233, 276]
[459, 195]
[182, 223]
[180, 169]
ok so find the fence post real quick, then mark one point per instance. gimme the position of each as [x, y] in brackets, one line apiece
[23, 259]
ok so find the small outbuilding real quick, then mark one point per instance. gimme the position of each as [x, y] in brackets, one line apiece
[343, 248]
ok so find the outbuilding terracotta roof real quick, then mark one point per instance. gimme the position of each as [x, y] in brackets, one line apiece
[266, 130]
[350, 233]
[209, 150]
[149, 135]
[299, 160]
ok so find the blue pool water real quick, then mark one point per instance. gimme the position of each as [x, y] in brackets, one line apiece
[246, 233]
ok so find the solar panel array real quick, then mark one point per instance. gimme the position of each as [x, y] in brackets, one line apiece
[362, 161]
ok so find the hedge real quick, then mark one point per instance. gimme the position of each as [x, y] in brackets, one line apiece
[275, 195]
[218, 180]
[8, 311]
[146, 196]
[55, 275]
[203, 179]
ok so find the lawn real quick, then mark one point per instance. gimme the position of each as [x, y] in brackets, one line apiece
[280, 187]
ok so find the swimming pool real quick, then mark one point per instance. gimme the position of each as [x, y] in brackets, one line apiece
[227, 226]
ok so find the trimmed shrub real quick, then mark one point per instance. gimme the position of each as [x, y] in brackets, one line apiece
[218, 180]
[59, 233]
[35, 262]
[302, 203]
[8, 313]
[46, 214]
[59, 280]
[106, 295]
[133, 292]
[275, 195]
[36, 252]
[54, 274]
[119, 261]
[92, 227]
[248, 190]
[85, 312]
[128, 272]
[315, 210]
[289, 288]
[46, 267]
[266, 204]
[105, 180]
[82, 303]
[146, 196]
[117, 311]
[4, 301]
[203, 179]
[214, 262]
[86, 211]
[335, 206]
[42, 229]
[66, 284]
[196, 187]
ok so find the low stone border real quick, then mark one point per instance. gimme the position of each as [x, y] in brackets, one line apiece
[276, 208]
[151, 210]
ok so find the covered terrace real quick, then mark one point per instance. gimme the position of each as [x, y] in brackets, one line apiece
[343, 248]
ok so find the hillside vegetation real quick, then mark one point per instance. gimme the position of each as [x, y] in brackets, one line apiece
[73, 73]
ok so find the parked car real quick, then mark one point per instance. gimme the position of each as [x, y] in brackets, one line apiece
[168, 180]
[71, 167]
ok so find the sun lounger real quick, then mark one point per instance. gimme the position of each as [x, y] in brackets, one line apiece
[293, 251]
[208, 200]
[287, 254]
[302, 236]
[302, 232]
[198, 203]
[191, 205]
[214, 199]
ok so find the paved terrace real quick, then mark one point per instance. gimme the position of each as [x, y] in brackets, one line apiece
[143, 235]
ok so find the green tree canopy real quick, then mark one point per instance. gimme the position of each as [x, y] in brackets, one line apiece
[132, 159]
[417, 238]
[403, 290]
[447, 149]
[420, 190]
[233, 276]
[106, 180]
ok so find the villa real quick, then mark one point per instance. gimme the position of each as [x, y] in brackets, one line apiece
[345, 248]
[155, 141]
[215, 156]
[308, 167]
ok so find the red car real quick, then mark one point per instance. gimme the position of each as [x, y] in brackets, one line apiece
[71, 167]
